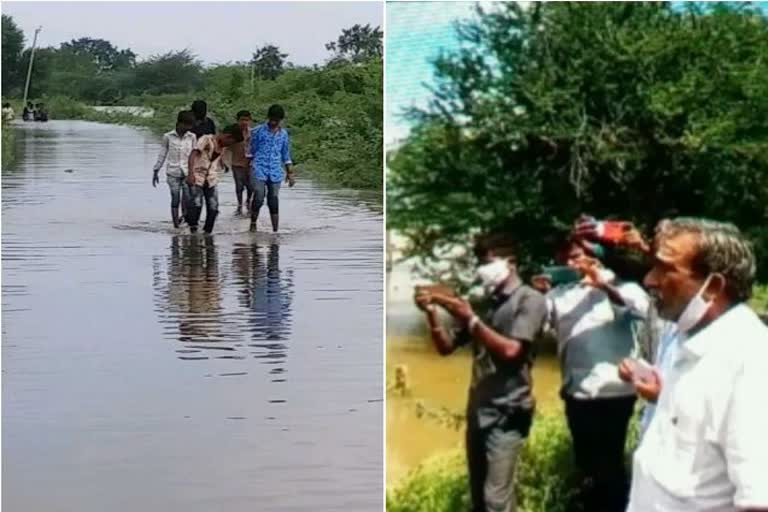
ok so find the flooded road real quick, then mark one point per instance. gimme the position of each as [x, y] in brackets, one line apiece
[436, 383]
[144, 370]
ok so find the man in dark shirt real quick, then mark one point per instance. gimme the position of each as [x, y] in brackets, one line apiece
[500, 406]
[203, 124]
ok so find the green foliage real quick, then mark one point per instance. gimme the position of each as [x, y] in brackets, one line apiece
[268, 62]
[334, 112]
[545, 477]
[357, 44]
[632, 110]
[13, 44]
[759, 301]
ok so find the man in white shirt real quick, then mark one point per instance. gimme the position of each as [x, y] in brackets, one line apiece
[705, 449]
[593, 321]
[176, 147]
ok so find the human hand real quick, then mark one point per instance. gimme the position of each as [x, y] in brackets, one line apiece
[190, 179]
[648, 387]
[291, 179]
[423, 299]
[155, 179]
[460, 309]
[625, 369]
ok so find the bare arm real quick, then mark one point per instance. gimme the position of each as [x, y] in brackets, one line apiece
[193, 157]
[162, 155]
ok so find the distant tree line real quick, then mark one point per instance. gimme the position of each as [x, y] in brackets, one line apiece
[96, 71]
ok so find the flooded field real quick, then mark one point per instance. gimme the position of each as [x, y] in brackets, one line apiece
[146, 370]
[435, 383]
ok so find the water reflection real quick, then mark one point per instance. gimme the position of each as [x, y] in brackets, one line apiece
[266, 291]
[192, 285]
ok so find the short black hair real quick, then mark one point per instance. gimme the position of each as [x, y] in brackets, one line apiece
[233, 131]
[185, 117]
[200, 108]
[500, 243]
[243, 113]
[276, 112]
[6, 105]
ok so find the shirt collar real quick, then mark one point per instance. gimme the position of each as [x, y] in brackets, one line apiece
[718, 331]
[508, 290]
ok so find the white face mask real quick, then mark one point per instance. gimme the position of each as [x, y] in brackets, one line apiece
[492, 274]
[695, 310]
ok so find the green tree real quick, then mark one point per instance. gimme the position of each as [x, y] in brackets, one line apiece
[13, 45]
[102, 53]
[268, 62]
[357, 43]
[169, 73]
[630, 110]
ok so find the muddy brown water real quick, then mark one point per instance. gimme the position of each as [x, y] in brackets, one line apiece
[146, 370]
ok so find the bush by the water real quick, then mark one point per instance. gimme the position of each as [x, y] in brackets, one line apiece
[545, 475]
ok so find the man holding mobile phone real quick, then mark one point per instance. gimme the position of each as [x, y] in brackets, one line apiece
[705, 449]
[500, 405]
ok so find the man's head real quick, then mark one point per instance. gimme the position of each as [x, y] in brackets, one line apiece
[231, 134]
[702, 260]
[29, 104]
[496, 261]
[275, 116]
[244, 119]
[200, 109]
[6, 105]
[185, 121]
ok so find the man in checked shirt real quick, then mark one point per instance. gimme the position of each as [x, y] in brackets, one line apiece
[176, 147]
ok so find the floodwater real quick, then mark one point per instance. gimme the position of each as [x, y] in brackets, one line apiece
[416, 423]
[146, 370]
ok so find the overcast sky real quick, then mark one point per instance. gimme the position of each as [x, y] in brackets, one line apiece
[216, 32]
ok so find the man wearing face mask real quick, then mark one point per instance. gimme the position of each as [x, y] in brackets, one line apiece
[592, 320]
[705, 449]
[500, 405]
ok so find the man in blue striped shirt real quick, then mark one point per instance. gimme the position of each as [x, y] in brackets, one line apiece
[270, 152]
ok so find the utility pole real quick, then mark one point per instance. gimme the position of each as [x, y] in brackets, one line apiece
[31, 60]
[253, 67]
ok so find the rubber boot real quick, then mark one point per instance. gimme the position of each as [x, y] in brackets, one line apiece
[275, 221]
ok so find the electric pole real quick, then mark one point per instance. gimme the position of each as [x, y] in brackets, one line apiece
[31, 60]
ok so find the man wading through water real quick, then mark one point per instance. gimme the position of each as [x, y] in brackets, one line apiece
[176, 147]
[500, 406]
[205, 164]
[269, 152]
[241, 154]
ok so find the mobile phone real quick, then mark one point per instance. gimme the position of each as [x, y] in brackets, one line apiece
[612, 231]
[561, 275]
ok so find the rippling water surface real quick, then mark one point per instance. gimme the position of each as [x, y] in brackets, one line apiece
[149, 370]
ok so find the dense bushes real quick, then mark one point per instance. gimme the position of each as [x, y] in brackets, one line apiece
[636, 110]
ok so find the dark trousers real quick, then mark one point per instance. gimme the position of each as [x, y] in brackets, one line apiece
[599, 432]
[198, 195]
[492, 455]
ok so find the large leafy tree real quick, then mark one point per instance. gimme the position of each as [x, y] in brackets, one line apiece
[13, 45]
[357, 43]
[269, 62]
[104, 55]
[631, 110]
[169, 73]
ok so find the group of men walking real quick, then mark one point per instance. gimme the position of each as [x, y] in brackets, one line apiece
[196, 155]
[701, 442]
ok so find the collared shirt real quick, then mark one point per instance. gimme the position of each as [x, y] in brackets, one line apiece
[501, 389]
[706, 449]
[666, 353]
[176, 150]
[593, 336]
[8, 114]
[270, 152]
[209, 163]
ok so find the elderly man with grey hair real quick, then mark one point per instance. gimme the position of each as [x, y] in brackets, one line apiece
[705, 448]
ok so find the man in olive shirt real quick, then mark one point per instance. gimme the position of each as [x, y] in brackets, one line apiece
[500, 406]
